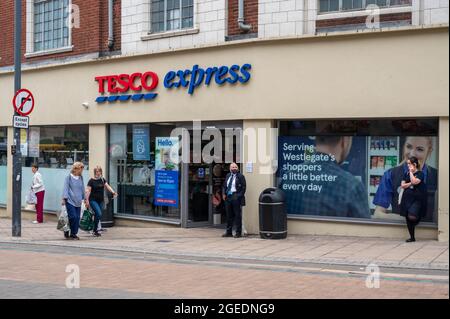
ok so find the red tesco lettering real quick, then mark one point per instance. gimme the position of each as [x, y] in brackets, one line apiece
[124, 82]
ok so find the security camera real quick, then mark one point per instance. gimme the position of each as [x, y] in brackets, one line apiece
[85, 104]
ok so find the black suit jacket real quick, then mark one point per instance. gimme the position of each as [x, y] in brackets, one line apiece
[241, 186]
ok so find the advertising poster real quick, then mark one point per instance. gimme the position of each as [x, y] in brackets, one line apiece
[314, 174]
[166, 174]
[141, 143]
[34, 137]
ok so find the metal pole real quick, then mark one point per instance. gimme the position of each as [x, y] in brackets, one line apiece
[17, 157]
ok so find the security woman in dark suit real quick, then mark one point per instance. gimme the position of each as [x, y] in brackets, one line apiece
[234, 197]
[413, 204]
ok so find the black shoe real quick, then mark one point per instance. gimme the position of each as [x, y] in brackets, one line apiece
[96, 234]
[66, 234]
[237, 235]
[227, 235]
[410, 240]
[75, 237]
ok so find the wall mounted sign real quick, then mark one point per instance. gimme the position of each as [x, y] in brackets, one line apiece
[142, 86]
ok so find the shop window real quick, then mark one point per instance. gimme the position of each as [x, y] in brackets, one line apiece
[51, 24]
[3, 163]
[168, 15]
[326, 6]
[134, 161]
[54, 149]
[353, 169]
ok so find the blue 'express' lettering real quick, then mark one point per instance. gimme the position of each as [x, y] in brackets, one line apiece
[191, 79]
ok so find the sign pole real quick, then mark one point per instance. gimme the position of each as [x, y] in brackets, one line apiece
[17, 155]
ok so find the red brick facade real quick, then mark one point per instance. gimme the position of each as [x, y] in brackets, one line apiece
[360, 20]
[90, 37]
[250, 16]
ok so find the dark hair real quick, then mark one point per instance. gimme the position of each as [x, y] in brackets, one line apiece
[34, 165]
[413, 160]
[330, 140]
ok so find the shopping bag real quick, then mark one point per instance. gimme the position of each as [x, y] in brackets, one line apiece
[63, 220]
[31, 198]
[87, 220]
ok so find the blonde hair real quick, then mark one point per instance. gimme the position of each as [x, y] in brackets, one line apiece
[98, 168]
[76, 167]
[428, 140]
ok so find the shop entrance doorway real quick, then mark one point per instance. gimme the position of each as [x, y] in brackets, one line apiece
[203, 203]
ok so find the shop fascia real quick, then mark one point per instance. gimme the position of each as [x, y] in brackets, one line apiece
[142, 86]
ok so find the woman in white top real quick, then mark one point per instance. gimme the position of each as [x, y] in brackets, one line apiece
[39, 190]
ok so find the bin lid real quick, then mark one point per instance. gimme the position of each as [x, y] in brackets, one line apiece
[272, 195]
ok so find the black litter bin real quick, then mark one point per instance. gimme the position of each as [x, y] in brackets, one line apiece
[272, 214]
[108, 213]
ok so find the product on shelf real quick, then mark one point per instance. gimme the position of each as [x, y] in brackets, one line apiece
[381, 162]
[374, 162]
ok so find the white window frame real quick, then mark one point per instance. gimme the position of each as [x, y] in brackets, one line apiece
[30, 48]
[180, 30]
[364, 5]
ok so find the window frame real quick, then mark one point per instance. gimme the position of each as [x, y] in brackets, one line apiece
[165, 12]
[363, 6]
[32, 48]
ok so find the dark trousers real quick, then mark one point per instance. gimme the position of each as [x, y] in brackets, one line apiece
[412, 226]
[234, 214]
[74, 218]
[97, 208]
[414, 212]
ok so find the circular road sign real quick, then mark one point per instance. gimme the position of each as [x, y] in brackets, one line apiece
[23, 102]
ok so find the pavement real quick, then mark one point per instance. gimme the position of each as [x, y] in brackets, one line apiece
[176, 263]
[207, 244]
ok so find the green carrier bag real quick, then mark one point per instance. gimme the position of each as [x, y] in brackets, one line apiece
[87, 220]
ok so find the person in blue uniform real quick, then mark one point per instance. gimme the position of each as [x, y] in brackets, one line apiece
[387, 193]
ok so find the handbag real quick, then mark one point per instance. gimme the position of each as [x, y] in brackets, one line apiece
[87, 220]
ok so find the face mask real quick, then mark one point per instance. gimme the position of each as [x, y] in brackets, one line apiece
[234, 171]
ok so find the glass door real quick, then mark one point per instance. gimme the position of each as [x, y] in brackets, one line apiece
[199, 195]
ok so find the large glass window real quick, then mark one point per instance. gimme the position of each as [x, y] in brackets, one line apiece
[134, 156]
[347, 5]
[54, 149]
[51, 24]
[3, 163]
[354, 168]
[167, 15]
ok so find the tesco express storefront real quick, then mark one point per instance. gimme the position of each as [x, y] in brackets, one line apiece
[308, 115]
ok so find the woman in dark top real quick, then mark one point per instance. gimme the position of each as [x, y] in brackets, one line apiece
[95, 196]
[413, 204]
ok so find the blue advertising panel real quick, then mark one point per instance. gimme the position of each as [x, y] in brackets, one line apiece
[141, 143]
[166, 188]
[325, 178]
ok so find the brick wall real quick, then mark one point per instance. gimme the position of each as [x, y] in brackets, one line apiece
[250, 16]
[90, 37]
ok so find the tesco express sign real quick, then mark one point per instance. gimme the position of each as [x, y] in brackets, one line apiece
[142, 86]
